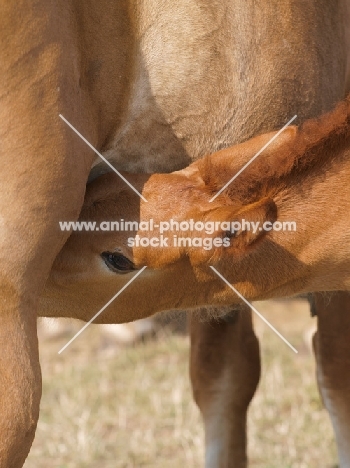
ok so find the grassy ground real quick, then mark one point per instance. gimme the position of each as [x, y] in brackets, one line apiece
[105, 407]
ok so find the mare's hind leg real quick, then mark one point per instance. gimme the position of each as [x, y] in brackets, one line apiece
[225, 371]
[20, 378]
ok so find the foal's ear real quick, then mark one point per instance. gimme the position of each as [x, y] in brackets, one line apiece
[240, 231]
[218, 168]
[256, 221]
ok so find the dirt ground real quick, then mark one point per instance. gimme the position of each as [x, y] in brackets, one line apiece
[104, 406]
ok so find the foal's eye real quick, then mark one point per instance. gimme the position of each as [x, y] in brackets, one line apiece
[117, 262]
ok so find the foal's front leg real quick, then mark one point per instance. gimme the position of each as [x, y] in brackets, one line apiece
[332, 352]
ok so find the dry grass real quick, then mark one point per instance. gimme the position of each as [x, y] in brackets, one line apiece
[105, 407]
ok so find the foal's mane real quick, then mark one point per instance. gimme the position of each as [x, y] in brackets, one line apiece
[316, 144]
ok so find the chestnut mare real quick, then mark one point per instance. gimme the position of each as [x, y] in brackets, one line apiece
[154, 86]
